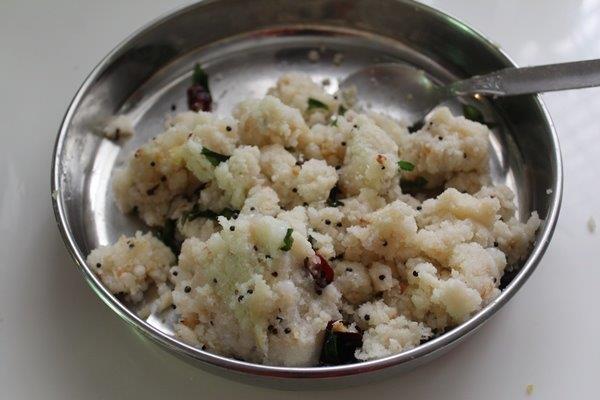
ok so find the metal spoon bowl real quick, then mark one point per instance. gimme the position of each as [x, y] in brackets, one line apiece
[406, 93]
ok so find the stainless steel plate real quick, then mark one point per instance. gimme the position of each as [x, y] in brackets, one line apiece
[245, 47]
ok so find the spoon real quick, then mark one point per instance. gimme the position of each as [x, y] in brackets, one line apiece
[406, 93]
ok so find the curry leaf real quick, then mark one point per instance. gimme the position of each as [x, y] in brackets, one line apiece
[213, 157]
[473, 113]
[339, 346]
[405, 165]
[200, 77]
[416, 126]
[416, 184]
[168, 237]
[332, 200]
[314, 103]
[208, 214]
[288, 240]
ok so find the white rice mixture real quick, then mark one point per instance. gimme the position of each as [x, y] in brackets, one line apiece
[406, 267]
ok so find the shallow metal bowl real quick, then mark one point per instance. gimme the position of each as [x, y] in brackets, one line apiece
[245, 46]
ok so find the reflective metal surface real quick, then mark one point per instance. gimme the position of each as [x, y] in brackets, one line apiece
[149, 71]
[406, 92]
[398, 90]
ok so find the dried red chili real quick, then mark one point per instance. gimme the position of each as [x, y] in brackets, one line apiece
[320, 270]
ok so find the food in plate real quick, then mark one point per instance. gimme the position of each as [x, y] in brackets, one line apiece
[301, 232]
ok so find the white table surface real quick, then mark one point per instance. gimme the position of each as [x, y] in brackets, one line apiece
[58, 341]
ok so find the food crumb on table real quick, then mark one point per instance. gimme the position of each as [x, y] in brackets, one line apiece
[529, 389]
[591, 225]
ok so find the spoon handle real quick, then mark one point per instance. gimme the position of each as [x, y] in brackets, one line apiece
[528, 80]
